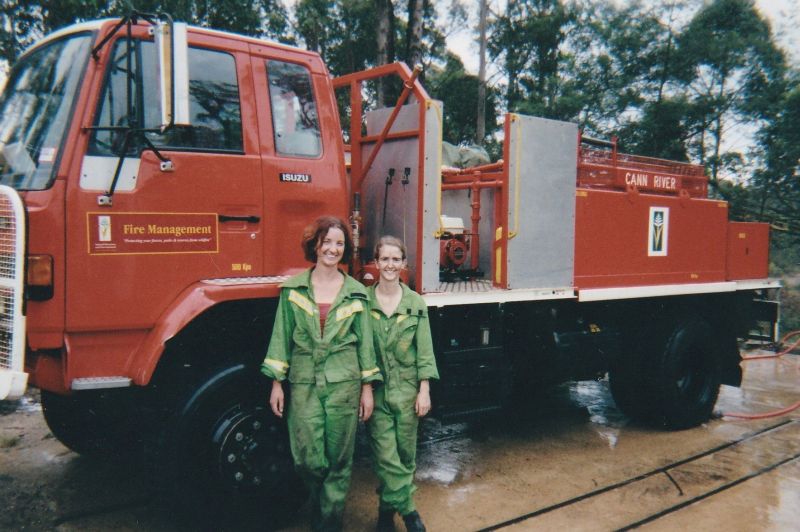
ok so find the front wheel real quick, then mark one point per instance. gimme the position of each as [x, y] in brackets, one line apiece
[225, 449]
[97, 424]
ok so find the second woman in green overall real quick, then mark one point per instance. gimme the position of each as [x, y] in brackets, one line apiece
[404, 350]
[322, 343]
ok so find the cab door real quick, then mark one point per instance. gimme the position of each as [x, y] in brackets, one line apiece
[165, 227]
[301, 151]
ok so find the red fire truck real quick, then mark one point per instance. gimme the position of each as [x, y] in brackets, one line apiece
[156, 179]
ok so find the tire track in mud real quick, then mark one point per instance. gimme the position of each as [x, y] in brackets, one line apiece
[678, 484]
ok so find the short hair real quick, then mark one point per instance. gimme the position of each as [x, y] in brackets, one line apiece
[315, 232]
[389, 240]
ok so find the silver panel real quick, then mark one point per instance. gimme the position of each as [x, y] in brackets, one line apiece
[400, 218]
[431, 195]
[542, 174]
[97, 173]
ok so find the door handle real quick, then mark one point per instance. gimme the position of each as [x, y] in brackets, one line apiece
[249, 219]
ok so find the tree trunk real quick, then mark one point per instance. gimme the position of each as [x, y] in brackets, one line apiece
[718, 133]
[382, 10]
[480, 127]
[414, 33]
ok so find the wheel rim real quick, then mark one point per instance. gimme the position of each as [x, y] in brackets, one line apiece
[250, 449]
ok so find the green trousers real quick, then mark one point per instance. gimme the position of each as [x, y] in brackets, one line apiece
[393, 438]
[322, 423]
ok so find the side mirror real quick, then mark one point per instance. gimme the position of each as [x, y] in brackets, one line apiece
[173, 64]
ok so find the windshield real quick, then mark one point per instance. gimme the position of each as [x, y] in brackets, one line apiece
[35, 109]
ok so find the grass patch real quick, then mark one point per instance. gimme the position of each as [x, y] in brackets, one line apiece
[7, 442]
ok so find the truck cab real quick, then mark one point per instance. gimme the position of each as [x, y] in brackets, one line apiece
[128, 231]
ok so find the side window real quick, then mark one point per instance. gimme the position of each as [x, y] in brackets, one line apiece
[294, 113]
[213, 102]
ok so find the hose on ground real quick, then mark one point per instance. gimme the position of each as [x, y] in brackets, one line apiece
[781, 349]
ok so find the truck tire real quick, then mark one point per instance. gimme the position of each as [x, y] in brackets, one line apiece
[685, 375]
[225, 455]
[628, 388]
[90, 423]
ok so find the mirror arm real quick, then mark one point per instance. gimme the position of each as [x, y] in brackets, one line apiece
[164, 160]
[105, 199]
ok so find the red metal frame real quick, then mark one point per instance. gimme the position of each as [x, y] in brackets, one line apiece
[604, 167]
[358, 171]
[357, 140]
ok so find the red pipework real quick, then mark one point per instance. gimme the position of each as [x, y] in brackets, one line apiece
[484, 168]
[475, 184]
[476, 218]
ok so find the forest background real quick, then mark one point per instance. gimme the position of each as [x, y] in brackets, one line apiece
[678, 79]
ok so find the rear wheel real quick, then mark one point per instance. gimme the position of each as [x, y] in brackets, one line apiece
[628, 387]
[672, 378]
[686, 377]
[225, 449]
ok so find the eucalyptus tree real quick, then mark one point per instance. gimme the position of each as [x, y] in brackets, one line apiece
[527, 39]
[736, 75]
[644, 92]
[457, 89]
[24, 22]
[777, 183]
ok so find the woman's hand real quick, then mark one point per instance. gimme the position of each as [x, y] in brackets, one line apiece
[276, 398]
[367, 402]
[423, 404]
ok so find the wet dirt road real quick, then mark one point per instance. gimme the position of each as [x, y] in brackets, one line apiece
[567, 461]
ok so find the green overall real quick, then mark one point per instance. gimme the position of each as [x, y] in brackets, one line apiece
[325, 373]
[405, 355]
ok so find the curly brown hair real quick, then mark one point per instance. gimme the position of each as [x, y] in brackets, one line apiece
[315, 232]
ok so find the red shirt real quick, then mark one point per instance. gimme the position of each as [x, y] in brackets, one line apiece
[323, 314]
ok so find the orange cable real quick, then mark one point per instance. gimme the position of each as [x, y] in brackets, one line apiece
[782, 411]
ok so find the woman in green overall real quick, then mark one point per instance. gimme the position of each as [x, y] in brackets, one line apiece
[404, 348]
[322, 342]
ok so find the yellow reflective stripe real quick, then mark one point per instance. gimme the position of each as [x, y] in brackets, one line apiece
[401, 318]
[376, 314]
[348, 310]
[301, 301]
[278, 365]
[369, 373]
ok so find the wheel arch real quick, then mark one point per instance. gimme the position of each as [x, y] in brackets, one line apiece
[208, 325]
[723, 312]
[726, 313]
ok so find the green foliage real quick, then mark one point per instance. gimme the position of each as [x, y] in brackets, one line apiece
[458, 91]
[30, 21]
[737, 72]
[528, 38]
[778, 183]
[660, 132]
[342, 32]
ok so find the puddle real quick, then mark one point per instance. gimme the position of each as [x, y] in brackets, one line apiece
[25, 404]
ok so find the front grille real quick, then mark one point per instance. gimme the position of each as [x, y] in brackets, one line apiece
[12, 271]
